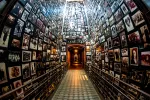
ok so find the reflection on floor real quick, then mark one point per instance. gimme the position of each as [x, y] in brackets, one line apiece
[76, 86]
[76, 66]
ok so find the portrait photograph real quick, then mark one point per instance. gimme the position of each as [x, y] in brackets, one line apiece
[124, 52]
[114, 31]
[117, 67]
[40, 44]
[128, 23]
[124, 77]
[111, 20]
[10, 21]
[138, 18]
[29, 28]
[17, 84]
[124, 9]
[116, 81]
[134, 60]
[15, 43]
[120, 26]
[33, 55]
[117, 55]
[145, 34]
[17, 10]
[3, 75]
[106, 46]
[4, 36]
[18, 28]
[63, 58]
[118, 15]
[88, 58]
[125, 64]
[134, 38]
[28, 7]
[63, 48]
[26, 70]
[26, 56]
[14, 72]
[25, 41]
[33, 43]
[145, 58]
[123, 39]
[116, 42]
[111, 73]
[32, 17]
[106, 57]
[25, 15]
[131, 5]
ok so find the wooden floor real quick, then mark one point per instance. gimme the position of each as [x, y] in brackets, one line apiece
[76, 86]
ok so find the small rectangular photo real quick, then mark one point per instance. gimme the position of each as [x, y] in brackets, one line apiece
[26, 70]
[10, 21]
[33, 43]
[134, 60]
[17, 84]
[124, 52]
[14, 72]
[63, 58]
[117, 55]
[145, 58]
[117, 67]
[145, 34]
[25, 15]
[125, 64]
[131, 5]
[3, 55]
[124, 9]
[33, 68]
[28, 7]
[3, 75]
[14, 56]
[63, 48]
[120, 26]
[4, 36]
[26, 56]
[25, 41]
[128, 23]
[40, 44]
[123, 39]
[29, 28]
[118, 15]
[32, 17]
[33, 55]
[114, 6]
[138, 18]
[134, 38]
[18, 28]
[15, 43]
[116, 42]
[112, 20]
[114, 31]
[116, 81]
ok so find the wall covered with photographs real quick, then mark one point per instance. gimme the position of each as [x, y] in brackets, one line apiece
[124, 42]
[28, 48]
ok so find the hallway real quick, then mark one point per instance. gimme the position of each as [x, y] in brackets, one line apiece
[76, 86]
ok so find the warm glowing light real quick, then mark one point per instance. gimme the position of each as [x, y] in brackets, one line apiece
[75, 50]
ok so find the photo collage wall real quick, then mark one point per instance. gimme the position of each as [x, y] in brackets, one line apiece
[63, 51]
[124, 40]
[25, 46]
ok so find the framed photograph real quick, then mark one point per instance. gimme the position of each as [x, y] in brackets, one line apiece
[10, 21]
[111, 55]
[120, 26]
[18, 28]
[26, 56]
[116, 42]
[109, 42]
[128, 23]
[17, 10]
[106, 57]
[118, 15]
[23, 1]
[29, 28]
[117, 67]
[40, 44]
[3, 4]
[145, 58]
[3, 76]
[137, 75]
[106, 46]
[39, 55]
[124, 77]
[25, 15]
[116, 81]
[63, 58]
[134, 38]
[33, 68]
[32, 17]
[26, 70]
[111, 73]
[145, 34]
[117, 55]
[15, 43]
[33, 43]
[114, 6]
[123, 39]
[125, 64]
[88, 58]
[44, 46]
[39, 24]
[114, 31]
[3, 55]
[131, 5]
[14, 56]
[124, 52]
[124, 9]
[5, 89]
[25, 41]
[14, 72]
[112, 20]
[134, 60]
[17, 84]
[28, 7]
[63, 48]
[34, 55]
[4, 36]
[138, 18]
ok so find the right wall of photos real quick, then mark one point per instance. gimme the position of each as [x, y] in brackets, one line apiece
[124, 42]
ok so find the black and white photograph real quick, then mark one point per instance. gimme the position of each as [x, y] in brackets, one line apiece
[3, 4]
[29, 28]
[123, 39]
[32, 17]
[63, 48]
[26, 56]
[114, 6]
[17, 84]
[117, 55]
[25, 15]
[34, 55]
[120, 26]
[124, 9]
[114, 31]
[117, 67]
[28, 7]
[134, 38]
[116, 81]
[10, 21]
[4, 36]
[40, 44]
[14, 56]
[134, 58]
[111, 55]
[124, 52]
[26, 70]
[39, 24]
[33, 43]
[18, 28]
[106, 57]
[128, 23]
[14, 72]
[88, 58]
[111, 73]
[3, 75]
[17, 10]
[118, 15]
[111, 20]
[15, 43]
[116, 42]
[131, 5]
[25, 41]
[138, 18]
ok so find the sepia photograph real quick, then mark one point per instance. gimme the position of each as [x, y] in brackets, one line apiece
[14, 56]
[116, 81]
[33, 68]
[131, 5]
[134, 38]
[15, 43]
[116, 42]
[4, 36]
[145, 58]
[25, 41]
[123, 39]
[145, 34]
[3, 75]
[18, 28]
[138, 18]
[117, 55]
[124, 9]
[34, 55]
[25, 15]
[125, 64]
[134, 60]
[26, 56]
[17, 84]
[63, 58]
[128, 23]
[40, 44]
[14, 72]
[124, 52]
[25, 71]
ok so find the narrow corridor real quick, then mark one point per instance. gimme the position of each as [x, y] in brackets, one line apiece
[76, 86]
